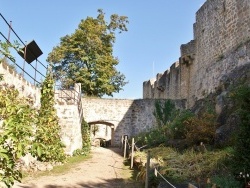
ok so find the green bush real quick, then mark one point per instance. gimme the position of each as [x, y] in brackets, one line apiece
[177, 126]
[200, 129]
[80, 152]
[170, 120]
[86, 142]
[17, 134]
[225, 181]
[242, 152]
[153, 138]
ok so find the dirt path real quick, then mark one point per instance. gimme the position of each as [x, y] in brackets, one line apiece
[104, 169]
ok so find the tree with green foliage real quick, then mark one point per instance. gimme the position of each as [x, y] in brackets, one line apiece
[47, 145]
[5, 52]
[86, 56]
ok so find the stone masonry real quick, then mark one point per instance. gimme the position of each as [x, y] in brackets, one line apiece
[126, 117]
[68, 106]
[25, 88]
[220, 46]
[221, 31]
[65, 104]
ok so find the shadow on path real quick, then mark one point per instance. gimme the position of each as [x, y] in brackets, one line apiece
[112, 183]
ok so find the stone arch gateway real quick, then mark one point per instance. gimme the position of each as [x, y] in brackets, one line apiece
[99, 133]
[128, 117]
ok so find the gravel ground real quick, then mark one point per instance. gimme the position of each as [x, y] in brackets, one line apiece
[104, 169]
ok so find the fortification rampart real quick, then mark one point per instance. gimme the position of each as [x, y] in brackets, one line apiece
[220, 44]
[66, 104]
[25, 88]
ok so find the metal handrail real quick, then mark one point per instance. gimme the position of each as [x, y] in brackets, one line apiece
[34, 78]
[74, 95]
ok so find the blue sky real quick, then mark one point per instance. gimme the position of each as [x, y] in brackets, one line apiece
[156, 30]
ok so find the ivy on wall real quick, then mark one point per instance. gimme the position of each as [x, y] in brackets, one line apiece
[47, 145]
[163, 112]
[86, 144]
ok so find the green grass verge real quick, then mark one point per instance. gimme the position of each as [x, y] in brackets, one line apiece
[61, 169]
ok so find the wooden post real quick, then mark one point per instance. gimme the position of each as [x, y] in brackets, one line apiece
[147, 169]
[132, 153]
[122, 143]
[125, 146]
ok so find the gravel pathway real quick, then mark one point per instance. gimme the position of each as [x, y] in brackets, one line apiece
[104, 169]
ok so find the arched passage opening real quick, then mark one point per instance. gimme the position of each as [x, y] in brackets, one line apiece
[102, 133]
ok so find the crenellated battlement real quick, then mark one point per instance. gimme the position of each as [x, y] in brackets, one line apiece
[25, 88]
[221, 33]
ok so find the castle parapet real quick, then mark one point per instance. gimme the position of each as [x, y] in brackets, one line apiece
[188, 52]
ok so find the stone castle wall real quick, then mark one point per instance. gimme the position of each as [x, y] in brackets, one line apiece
[222, 28]
[126, 117]
[66, 104]
[68, 107]
[13, 79]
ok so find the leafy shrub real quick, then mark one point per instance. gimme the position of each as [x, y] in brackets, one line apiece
[79, 152]
[177, 126]
[170, 120]
[225, 181]
[242, 152]
[200, 129]
[154, 137]
[16, 133]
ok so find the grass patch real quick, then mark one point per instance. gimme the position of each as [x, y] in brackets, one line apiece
[190, 165]
[71, 162]
[130, 175]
